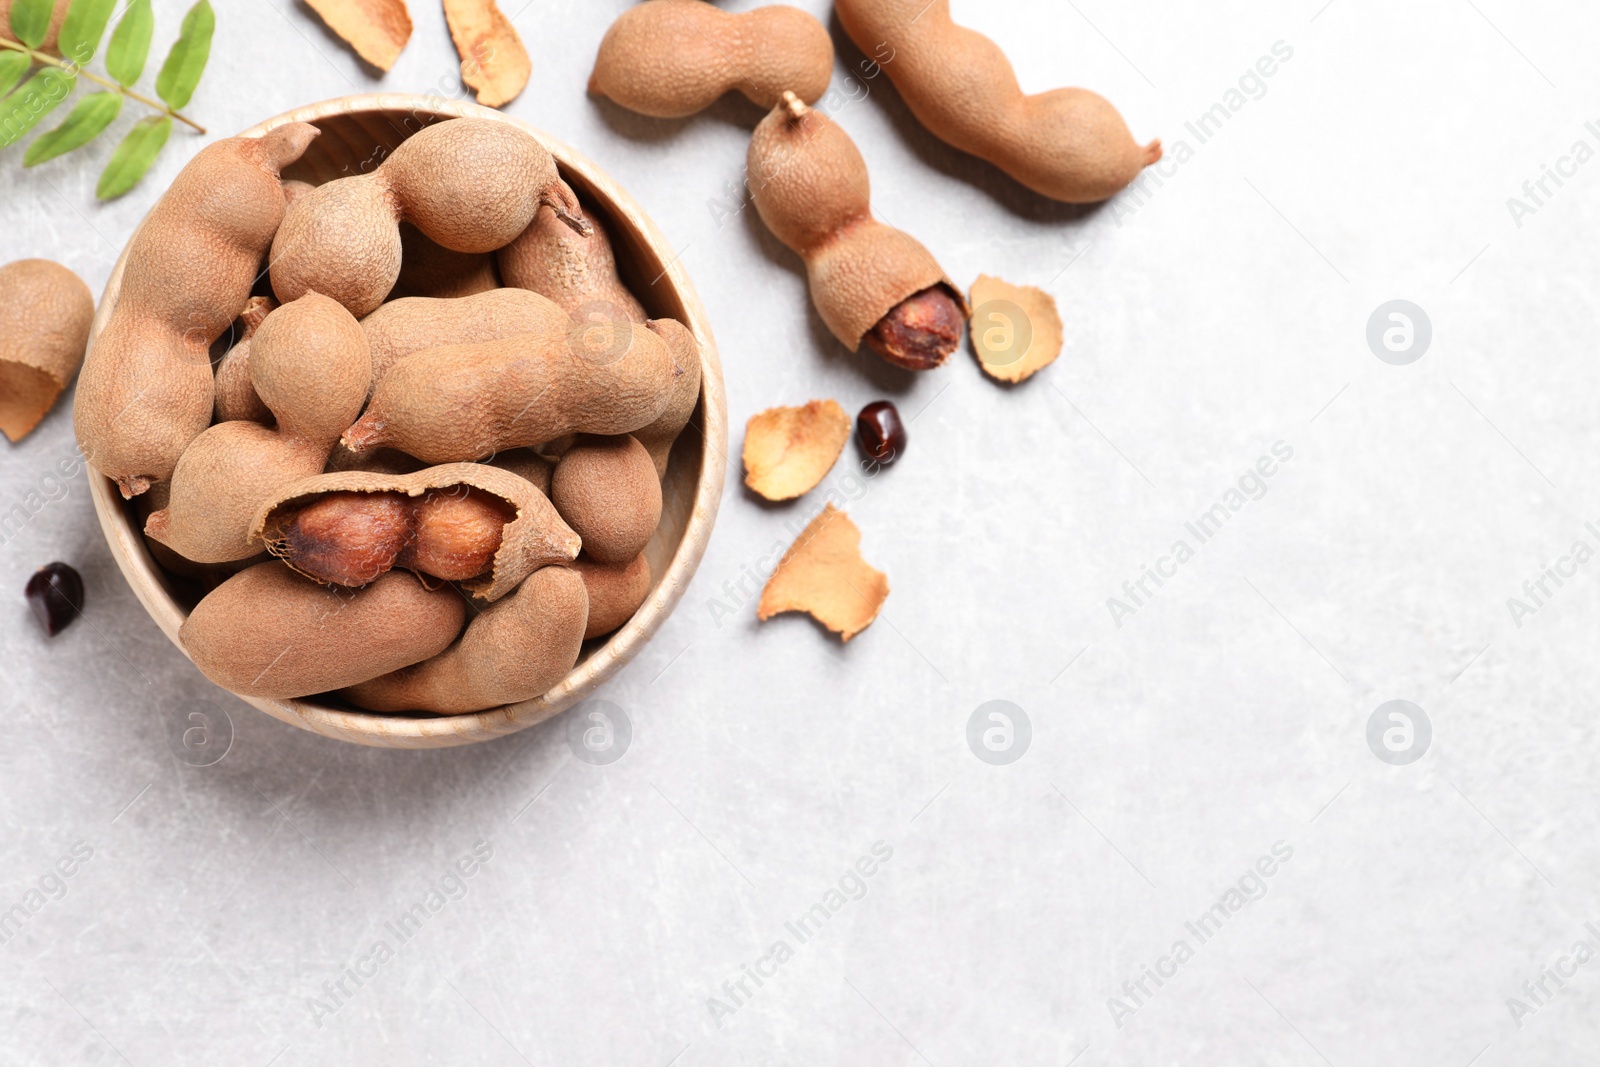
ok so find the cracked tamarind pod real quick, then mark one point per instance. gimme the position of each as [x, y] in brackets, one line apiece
[869, 281]
[145, 391]
[478, 525]
[1066, 144]
[672, 58]
[469, 185]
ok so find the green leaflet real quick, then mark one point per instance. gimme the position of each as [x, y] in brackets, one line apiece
[30, 21]
[13, 65]
[133, 156]
[130, 42]
[38, 96]
[91, 115]
[83, 27]
[187, 60]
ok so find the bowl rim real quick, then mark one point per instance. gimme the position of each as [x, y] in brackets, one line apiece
[377, 729]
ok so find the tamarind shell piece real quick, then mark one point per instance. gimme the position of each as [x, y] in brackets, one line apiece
[1067, 144]
[811, 188]
[493, 61]
[1029, 333]
[578, 273]
[515, 649]
[615, 592]
[146, 387]
[824, 575]
[45, 315]
[672, 58]
[268, 632]
[788, 450]
[412, 324]
[377, 29]
[535, 538]
[464, 402]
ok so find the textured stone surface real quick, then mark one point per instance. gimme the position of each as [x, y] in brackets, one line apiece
[1206, 319]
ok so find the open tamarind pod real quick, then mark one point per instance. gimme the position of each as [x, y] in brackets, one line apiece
[869, 281]
[470, 185]
[414, 323]
[1067, 144]
[672, 58]
[268, 632]
[309, 365]
[464, 402]
[478, 525]
[578, 273]
[145, 391]
[515, 649]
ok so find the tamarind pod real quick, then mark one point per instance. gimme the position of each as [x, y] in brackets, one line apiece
[145, 390]
[615, 591]
[309, 366]
[578, 273]
[658, 437]
[607, 489]
[414, 323]
[427, 268]
[1066, 144]
[235, 397]
[268, 632]
[516, 649]
[672, 58]
[811, 188]
[465, 402]
[535, 537]
[470, 185]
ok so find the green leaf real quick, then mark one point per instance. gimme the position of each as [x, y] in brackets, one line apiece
[130, 42]
[133, 156]
[30, 21]
[22, 110]
[83, 27]
[91, 116]
[187, 60]
[13, 65]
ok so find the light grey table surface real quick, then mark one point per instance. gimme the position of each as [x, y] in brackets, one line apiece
[1216, 311]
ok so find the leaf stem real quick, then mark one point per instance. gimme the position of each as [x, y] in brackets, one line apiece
[52, 61]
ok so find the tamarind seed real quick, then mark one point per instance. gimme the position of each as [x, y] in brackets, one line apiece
[456, 533]
[880, 431]
[347, 538]
[55, 593]
[921, 331]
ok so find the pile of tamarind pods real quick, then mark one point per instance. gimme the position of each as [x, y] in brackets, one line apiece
[408, 485]
[870, 282]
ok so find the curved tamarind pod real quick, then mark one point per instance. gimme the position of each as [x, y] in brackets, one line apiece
[464, 402]
[516, 649]
[534, 536]
[811, 188]
[615, 592]
[579, 274]
[145, 390]
[471, 185]
[672, 58]
[268, 632]
[309, 365]
[1067, 144]
[658, 437]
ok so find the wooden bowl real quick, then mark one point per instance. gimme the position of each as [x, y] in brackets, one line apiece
[357, 132]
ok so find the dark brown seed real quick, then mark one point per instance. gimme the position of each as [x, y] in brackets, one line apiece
[55, 592]
[921, 331]
[880, 431]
